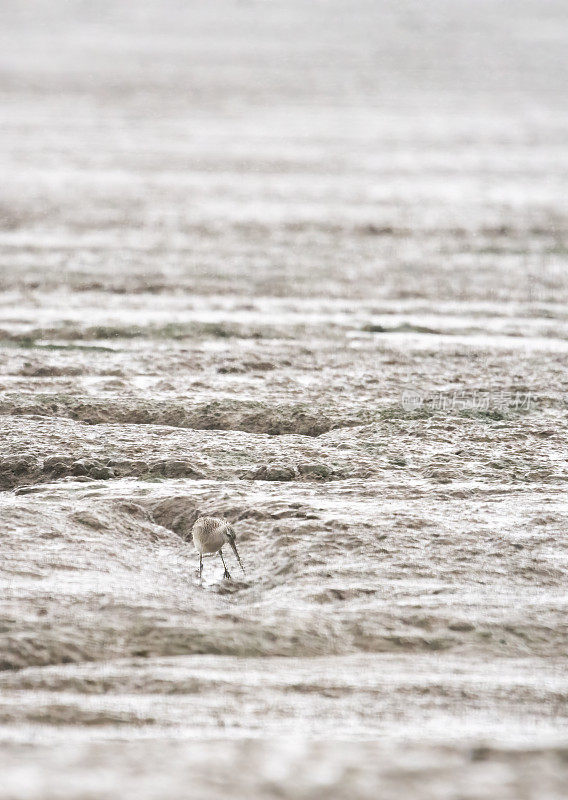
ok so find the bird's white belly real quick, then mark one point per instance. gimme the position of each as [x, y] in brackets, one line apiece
[208, 543]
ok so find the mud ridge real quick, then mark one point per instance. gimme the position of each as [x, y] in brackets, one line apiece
[248, 416]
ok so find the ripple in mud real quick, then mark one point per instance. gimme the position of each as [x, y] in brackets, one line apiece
[290, 472]
[176, 513]
[20, 471]
[113, 565]
[271, 472]
[248, 416]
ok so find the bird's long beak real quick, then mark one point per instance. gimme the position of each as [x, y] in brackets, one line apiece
[236, 552]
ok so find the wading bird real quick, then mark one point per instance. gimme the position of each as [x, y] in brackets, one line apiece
[209, 536]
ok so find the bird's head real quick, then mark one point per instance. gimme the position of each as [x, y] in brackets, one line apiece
[230, 539]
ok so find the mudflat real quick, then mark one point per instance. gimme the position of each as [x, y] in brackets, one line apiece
[303, 266]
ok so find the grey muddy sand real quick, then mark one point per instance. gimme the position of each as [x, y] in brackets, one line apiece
[301, 266]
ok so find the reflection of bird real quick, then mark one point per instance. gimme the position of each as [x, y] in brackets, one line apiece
[209, 536]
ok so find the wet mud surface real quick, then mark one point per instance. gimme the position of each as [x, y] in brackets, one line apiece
[302, 266]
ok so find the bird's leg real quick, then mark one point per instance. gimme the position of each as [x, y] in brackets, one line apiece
[226, 574]
[200, 565]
